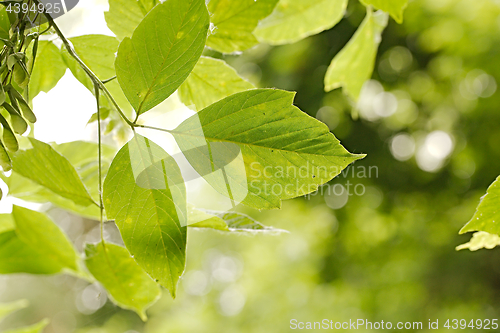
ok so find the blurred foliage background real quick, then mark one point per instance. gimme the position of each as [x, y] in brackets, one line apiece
[429, 123]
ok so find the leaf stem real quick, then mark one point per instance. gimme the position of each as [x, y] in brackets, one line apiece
[95, 80]
[99, 143]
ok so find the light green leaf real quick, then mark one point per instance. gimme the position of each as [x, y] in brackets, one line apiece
[6, 222]
[235, 21]
[353, 65]
[127, 284]
[125, 15]
[98, 53]
[227, 221]
[151, 66]
[46, 167]
[284, 153]
[37, 328]
[487, 216]
[83, 156]
[145, 193]
[394, 7]
[4, 23]
[41, 233]
[49, 68]
[8, 308]
[19, 257]
[210, 81]
[293, 20]
[481, 240]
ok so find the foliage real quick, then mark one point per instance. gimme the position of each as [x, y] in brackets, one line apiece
[264, 142]
[243, 136]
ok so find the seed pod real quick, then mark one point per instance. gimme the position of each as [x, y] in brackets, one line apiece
[20, 75]
[14, 95]
[3, 68]
[1, 194]
[18, 123]
[14, 58]
[9, 138]
[2, 95]
[5, 161]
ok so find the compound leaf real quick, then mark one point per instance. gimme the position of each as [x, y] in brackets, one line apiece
[256, 148]
[151, 66]
[145, 193]
[353, 65]
[293, 20]
[210, 81]
[127, 284]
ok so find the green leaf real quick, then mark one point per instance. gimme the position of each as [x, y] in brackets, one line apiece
[83, 156]
[125, 15]
[481, 240]
[281, 147]
[37, 328]
[4, 23]
[6, 222]
[210, 81]
[127, 284]
[145, 193]
[227, 221]
[151, 66]
[46, 167]
[42, 234]
[353, 65]
[394, 7]
[98, 53]
[49, 68]
[19, 257]
[235, 21]
[293, 20]
[487, 216]
[8, 308]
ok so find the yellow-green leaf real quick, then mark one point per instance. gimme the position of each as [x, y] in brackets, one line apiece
[293, 20]
[353, 65]
[127, 284]
[210, 81]
[151, 66]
